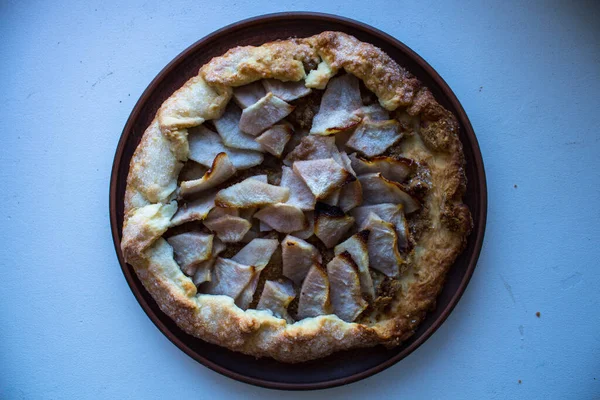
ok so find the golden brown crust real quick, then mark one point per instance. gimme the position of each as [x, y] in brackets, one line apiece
[284, 60]
[393, 85]
[143, 226]
[153, 170]
[191, 105]
[152, 183]
[424, 104]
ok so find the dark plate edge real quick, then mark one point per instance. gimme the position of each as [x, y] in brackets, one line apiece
[476, 235]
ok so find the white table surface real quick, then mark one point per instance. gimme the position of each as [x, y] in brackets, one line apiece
[529, 79]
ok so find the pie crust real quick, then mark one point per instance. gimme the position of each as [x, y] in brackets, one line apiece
[440, 230]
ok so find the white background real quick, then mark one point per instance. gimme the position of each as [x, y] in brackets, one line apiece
[529, 79]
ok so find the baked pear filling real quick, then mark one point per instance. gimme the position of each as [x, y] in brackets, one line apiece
[296, 199]
[301, 218]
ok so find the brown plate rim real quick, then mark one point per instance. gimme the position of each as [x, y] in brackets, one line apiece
[477, 235]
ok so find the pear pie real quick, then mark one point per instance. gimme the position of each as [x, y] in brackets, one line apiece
[296, 199]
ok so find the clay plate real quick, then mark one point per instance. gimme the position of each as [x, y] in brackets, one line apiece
[343, 367]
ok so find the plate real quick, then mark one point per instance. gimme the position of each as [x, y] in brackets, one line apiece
[342, 367]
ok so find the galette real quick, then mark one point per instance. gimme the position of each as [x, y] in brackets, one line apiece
[297, 198]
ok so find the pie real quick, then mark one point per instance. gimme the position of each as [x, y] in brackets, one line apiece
[296, 199]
